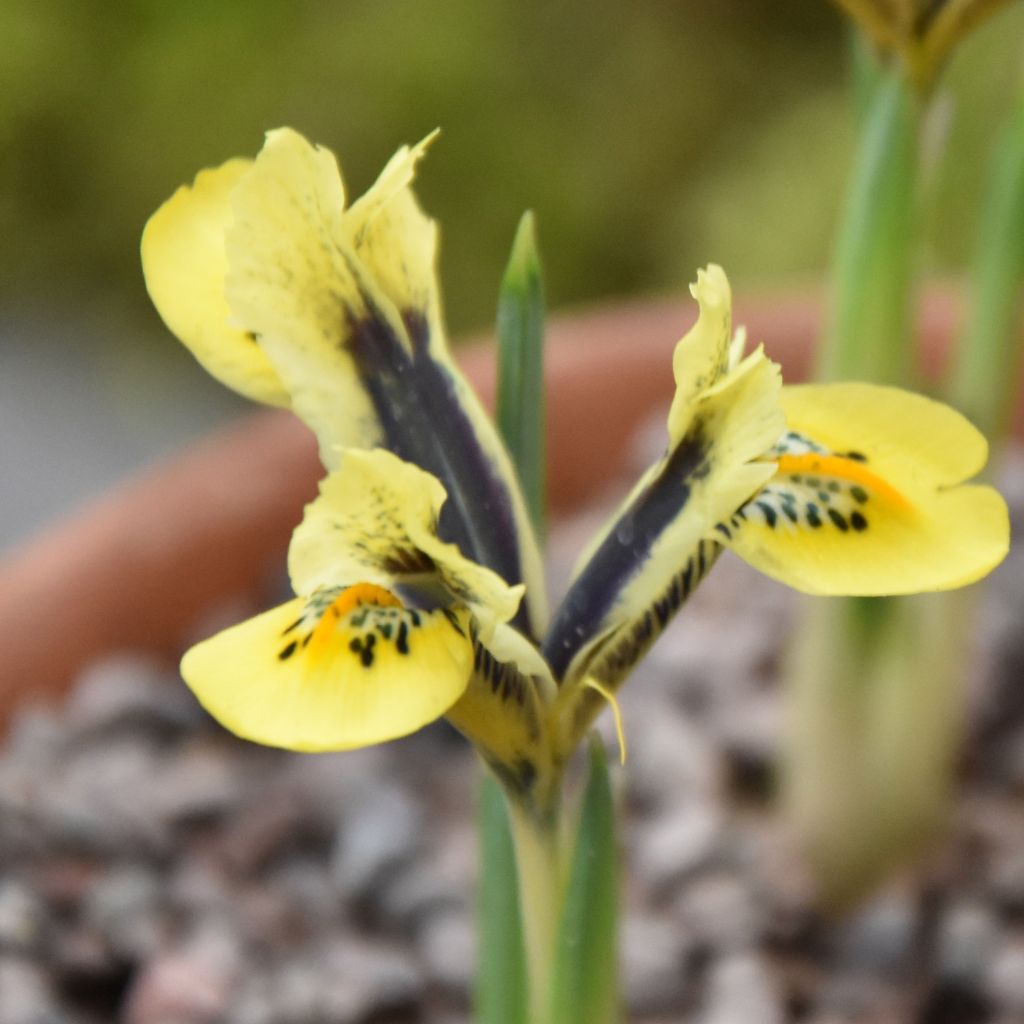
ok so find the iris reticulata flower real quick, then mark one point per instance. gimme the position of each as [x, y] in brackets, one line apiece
[417, 574]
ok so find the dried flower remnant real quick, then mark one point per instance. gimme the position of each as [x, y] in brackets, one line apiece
[922, 33]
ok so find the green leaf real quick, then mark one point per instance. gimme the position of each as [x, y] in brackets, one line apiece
[521, 366]
[501, 984]
[584, 988]
[501, 993]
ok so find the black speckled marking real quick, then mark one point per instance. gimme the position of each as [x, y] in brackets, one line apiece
[795, 500]
[770, 515]
[503, 678]
[453, 619]
[794, 443]
[626, 647]
[402, 640]
[362, 647]
[838, 521]
[374, 625]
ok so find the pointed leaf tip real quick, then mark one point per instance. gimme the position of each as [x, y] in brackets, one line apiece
[524, 260]
[520, 330]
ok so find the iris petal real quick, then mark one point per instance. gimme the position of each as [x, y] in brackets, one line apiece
[868, 498]
[185, 266]
[291, 281]
[375, 519]
[655, 548]
[333, 672]
[345, 304]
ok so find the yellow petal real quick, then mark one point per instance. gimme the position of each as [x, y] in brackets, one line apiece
[394, 239]
[502, 713]
[867, 499]
[907, 437]
[653, 551]
[702, 355]
[292, 281]
[375, 519]
[185, 266]
[345, 669]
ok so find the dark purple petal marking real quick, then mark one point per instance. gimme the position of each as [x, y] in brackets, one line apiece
[623, 554]
[422, 420]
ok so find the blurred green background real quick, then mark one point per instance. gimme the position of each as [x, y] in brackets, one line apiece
[649, 136]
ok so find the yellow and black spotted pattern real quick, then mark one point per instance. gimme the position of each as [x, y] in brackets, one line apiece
[816, 489]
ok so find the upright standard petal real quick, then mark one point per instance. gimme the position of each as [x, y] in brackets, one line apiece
[656, 548]
[346, 306]
[346, 667]
[185, 266]
[868, 496]
[395, 240]
[703, 357]
[375, 519]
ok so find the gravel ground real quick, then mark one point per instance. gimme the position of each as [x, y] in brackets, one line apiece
[155, 870]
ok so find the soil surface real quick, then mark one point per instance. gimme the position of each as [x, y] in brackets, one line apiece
[156, 870]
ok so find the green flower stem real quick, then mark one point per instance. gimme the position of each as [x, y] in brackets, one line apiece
[535, 834]
[869, 333]
[985, 378]
[501, 992]
[585, 983]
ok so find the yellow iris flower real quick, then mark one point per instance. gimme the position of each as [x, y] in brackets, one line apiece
[418, 577]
